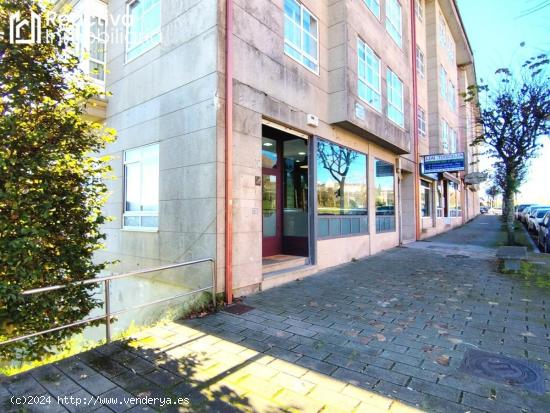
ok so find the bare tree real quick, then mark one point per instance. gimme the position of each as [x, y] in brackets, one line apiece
[513, 120]
[337, 161]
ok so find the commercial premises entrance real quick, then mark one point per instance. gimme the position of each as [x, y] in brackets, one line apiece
[284, 194]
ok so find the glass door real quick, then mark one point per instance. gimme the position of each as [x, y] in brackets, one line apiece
[271, 198]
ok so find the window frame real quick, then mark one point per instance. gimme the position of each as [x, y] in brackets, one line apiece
[422, 132]
[451, 95]
[391, 28]
[140, 214]
[377, 3]
[103, 43]
[367, 49]
[390, 74]
[420, 66]
[443, 82]
[301, 50]
[395, 206]
[367, 207]
[127, 49]
[426, 188]
[445, 144]
[419, 10]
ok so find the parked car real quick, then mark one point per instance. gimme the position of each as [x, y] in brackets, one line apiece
[520, 208]
[544, 233]
[535, 217]
[484, 209]
[524, 215]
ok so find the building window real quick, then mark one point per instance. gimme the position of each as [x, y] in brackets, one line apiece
[98, 44]
[454, 140]
[394, 21]
[374, 6]
[445, 136]
[425, 198]
[301, 35]
[141, 181]
[454, 200]
[369, 83]
[442, 31]
[384, 182]
[452, 96]
[419, 9]
[396, 109]
[144, 29]
[443, 82]
[341, 180]
[420, 68]
[421, 122]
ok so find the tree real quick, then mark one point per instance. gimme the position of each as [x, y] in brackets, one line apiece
[51, 187]
[513, 118]
[492, 192]
[337, 160]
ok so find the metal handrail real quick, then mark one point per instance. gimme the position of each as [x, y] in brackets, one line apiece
[107, 282]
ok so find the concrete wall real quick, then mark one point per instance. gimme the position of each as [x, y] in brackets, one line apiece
[168, 95]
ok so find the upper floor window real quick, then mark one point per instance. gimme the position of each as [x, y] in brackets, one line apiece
[144, 29]
[301, 35]
[97, 48]
[421, 122]
[368, 73]
[420, 68]
[141, 188]
[374, 6]
[453, 140]
[442, 31]
[419, 9]
[443, 82]
[394, 21]
[396, 109]
[452, 96]
[445, 39]
[445, 136]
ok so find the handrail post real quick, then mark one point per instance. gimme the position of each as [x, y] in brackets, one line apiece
[214, 280]
[108, 310]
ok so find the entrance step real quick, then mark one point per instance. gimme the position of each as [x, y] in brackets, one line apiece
[282, 262]
[276, 278]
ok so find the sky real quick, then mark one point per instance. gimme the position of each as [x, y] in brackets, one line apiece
[495, 29]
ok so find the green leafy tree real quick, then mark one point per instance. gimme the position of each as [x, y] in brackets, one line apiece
[51, 187]
[513, 118]
[492, 192]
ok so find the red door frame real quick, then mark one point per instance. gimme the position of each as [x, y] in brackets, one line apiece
[274, 245]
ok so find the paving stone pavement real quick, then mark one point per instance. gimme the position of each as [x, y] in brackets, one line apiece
[383, 334]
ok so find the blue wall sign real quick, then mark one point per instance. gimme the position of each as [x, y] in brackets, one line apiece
[451, 162]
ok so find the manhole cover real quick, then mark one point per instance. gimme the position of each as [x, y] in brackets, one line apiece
[457, 256]
[238, 309]
[503, 369]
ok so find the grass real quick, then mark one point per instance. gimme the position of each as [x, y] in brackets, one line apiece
[533, 274]
[520, 234]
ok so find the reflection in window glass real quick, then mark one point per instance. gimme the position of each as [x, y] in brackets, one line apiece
[384, 182]
[368, 75]
[341, 180]
[141, 175]
[394, 21]
[144, 29]
[425, 198]
[269, 153]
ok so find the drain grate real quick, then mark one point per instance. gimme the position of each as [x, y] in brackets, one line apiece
[238, 309]
[457, 256]
[503, 369]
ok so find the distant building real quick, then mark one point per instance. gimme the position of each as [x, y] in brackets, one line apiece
[329, 125]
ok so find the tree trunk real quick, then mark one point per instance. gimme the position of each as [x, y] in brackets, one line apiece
[508, 210]
[342, 199]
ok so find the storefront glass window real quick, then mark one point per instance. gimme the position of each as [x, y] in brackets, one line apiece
[341, 180]
[384, 181]
[425, 198]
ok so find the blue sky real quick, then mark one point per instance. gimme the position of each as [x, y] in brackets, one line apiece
[495, 29]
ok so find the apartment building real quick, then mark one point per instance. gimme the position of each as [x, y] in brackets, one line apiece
[280, 137]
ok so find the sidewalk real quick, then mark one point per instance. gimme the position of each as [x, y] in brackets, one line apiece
[388, 333]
